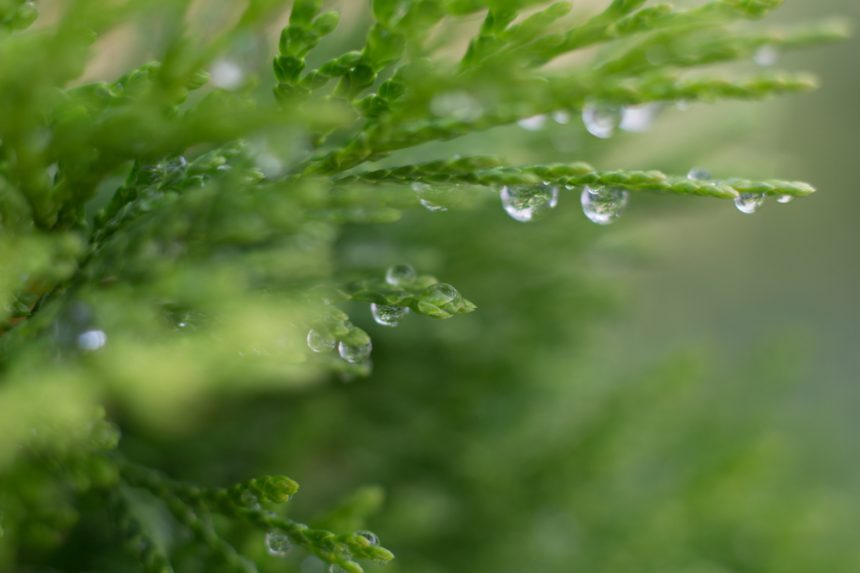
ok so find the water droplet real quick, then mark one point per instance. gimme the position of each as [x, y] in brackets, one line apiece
[249, 499]
[355, 352]
[457, 105]
[336, 569]
[603, 205]
[399, 275]
[785, 199]
[440, 294]
[420, 189]
[534, 123]
[371, 537]
[601, 120]
[638, 118]
[749, 203]
[92, 340]
[278, 543]
[226, 74]
[766, 56]
[388, 315]
[320, 341]
[697, 174]
[526, 203]
[561, 117]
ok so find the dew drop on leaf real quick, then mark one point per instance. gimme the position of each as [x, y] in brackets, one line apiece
[354, 352]
[749, 203]
[603, 205]
[91, 340]
[785, 199]
[525, 203]
[319, 341]
[601, 120]
[440, 294]
[388, 315]
[399, 275]
[371, 537]
[278, 543]
[697, 174]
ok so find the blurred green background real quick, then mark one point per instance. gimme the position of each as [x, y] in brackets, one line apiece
[675, 393]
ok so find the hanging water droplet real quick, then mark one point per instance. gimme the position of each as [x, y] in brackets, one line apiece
[320, 341]
[697, 174]
[399, 275]
[603, 205]
[534, 123]
[355, 351]
[561, 117]
[91, 340]
[226, 74]
[639, 118]
[600, 119]
[785, 199]
[388, 315]
[766, 56]
[420, 189]
[749, 203]
[526, 203]
[278, 543]
[371, 537]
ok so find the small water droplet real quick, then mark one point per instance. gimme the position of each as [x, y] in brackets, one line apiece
[526, 203]
[320, 341]
[534, 123]
[355, 352]
[603, 205]
[561, 117]
[601, 120]
[388, 315]
[399, 275]
[92, 340]
[249, 499]
[336, 569]
[278, 543]
[766, 56]
[639, 118]
[749, 203]
[371, 537]
[226, 74]
[785, 199]
[697, 174]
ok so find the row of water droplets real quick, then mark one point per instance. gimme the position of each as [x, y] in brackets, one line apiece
[527, 203]
[746, 203]
[278, 543]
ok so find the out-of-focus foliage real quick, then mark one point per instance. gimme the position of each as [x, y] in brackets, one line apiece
[184, 249]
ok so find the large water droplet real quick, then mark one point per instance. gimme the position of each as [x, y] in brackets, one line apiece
[766, 56]
[639, 118]
[534, 123]
[227, 74]
[601, 120]
[399, 275]
[749, 203]
[697, 174]
[603, 205]
[440, 294]
[785, 199]
[278, 543]
[526, 203]
[371, 537]
[355, 352]
[388, 315]
[320, 341]
[90, 340]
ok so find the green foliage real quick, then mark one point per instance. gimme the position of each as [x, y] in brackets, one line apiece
[180, 235]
